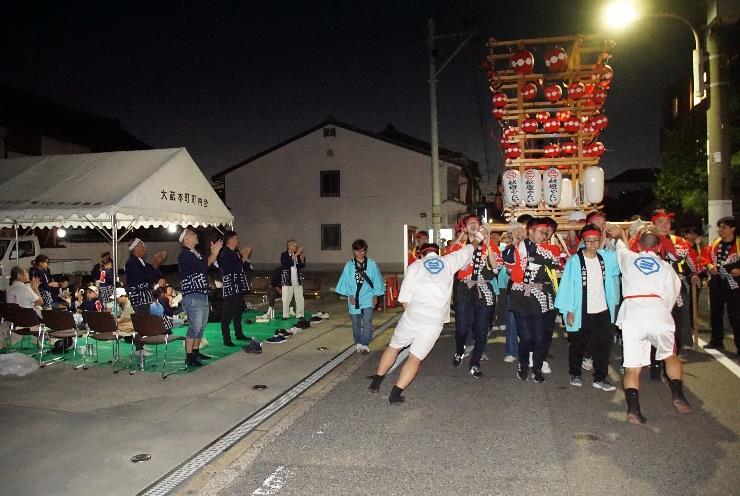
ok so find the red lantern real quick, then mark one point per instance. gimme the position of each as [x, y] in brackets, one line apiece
[529, 91]
[562, 115]
[576, 90]
[500, 100]
[603, 74]
[552, 150]
[572, 125]
[498, 113]
[551, 125]
[510, 133]
[587, 127]
[599, 96]
[553, 92]
[530, 126]
[569, 148]
[522, 62]
[598, 148]
[512, 150]
[556, 59]
[600, 122]
[589, 89]
[542, 116]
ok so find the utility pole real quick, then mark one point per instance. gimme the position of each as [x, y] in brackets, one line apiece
[436, 203]
[433, 73]
[718, 126]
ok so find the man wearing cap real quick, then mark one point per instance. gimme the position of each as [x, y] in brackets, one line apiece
[651, 288]
[141, 276]
[425, 296]
[724, 283]
[421, 238]
[194, 286]
[475, 294]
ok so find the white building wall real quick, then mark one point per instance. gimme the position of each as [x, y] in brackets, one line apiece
[383, 186]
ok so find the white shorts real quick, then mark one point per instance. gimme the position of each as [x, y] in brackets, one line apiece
[419, 336]
[637, 337]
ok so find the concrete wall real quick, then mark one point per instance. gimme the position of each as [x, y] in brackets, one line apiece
[383, 186]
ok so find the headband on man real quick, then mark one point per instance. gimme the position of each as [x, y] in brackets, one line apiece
[661, 215]
[591, 232]
[182, 235]
[134, 243]
[595, 215]
[468, 217]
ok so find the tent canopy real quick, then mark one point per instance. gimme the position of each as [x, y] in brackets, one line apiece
[147, 188]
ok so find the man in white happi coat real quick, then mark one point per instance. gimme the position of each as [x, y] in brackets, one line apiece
[650, 287]
[425, 295]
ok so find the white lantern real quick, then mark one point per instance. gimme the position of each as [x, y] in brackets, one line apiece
[593, 184]
[532, 187]
[566, 195]
[512, 188]
[552, 186]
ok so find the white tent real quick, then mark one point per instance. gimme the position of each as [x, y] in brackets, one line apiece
[131, 189]
[108, 191]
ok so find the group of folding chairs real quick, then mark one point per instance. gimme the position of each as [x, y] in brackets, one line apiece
[100, 327]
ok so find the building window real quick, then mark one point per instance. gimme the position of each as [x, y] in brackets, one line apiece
[330, 183]
[453, 184]
[330, 132]
[329, 152]
[331, 236]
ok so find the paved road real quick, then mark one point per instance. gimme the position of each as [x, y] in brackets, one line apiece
[498, 435]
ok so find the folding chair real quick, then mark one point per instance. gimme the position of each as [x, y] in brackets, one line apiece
[60, 324]
[5, 309]
[103, 327]
[24, 321]
[150, 330]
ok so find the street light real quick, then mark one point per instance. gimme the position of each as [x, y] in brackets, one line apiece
[718, 127]
[621, 14]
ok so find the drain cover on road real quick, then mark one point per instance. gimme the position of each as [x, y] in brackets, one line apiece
[322, 348]
[259, 387]
[142, 457]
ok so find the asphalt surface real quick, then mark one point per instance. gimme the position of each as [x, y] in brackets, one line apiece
[498, 435]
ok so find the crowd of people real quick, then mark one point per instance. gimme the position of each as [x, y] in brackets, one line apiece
[607, 285]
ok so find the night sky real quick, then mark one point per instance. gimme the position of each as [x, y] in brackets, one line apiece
[228, 80]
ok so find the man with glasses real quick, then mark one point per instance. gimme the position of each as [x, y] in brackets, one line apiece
[587, 298]
[724, 283]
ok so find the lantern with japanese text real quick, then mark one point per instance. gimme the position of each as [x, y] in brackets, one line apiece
[551, 186]
[553, 92]
[529, 91]
[532, 187]
[522, 62]
[556, 60]
[512, 182]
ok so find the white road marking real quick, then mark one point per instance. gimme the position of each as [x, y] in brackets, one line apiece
[274, 482]
[721, 358]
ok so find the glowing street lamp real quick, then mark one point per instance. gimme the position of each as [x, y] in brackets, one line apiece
[618, 15]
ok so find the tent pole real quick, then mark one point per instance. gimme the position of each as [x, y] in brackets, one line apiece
[114, 253]
[17, 249]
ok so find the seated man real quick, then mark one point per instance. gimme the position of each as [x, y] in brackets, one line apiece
[24, 292]
[123, 311]
[161, 307]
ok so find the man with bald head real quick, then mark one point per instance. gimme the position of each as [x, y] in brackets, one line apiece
[141, 276]
[650, 287]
